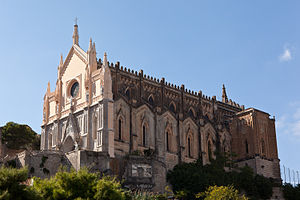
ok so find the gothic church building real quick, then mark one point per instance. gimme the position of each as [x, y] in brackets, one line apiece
[109, 117]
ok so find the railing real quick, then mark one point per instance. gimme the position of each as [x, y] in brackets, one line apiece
[290, 176]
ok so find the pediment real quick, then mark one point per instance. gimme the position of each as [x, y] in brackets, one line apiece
[75, 53]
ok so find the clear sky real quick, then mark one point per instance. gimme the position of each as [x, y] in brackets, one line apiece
[250, 46]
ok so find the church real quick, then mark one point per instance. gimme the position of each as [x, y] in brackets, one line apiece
[111, 118]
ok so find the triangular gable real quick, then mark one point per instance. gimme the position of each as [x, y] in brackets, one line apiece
[71, 129]
[75, 49]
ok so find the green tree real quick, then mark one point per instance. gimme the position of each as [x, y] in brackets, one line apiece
[11, 184]
[20, 136]
[78, 185]
[194, 178]
[290, 192]
[221, 192]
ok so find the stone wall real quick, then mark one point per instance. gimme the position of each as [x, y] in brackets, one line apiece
[262, 166]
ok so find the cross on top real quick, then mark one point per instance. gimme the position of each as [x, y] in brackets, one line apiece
[76, 19]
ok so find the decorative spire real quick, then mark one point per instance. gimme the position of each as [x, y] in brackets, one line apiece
[105, 64]
[48, 88]
[90, 45]
[224, 95]
[61, 62]
[75, 34]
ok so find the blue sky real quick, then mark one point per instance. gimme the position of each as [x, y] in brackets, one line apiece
[250, 46]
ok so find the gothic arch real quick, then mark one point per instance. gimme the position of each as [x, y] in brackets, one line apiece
[172, 107]
[208, 142]
[151, 99]
[144, 126]
[225, 141]
[191, 112]
[121, 112]
[169, 137]
[127, 93]
[191, 140]
[190, 144]
[68, 145]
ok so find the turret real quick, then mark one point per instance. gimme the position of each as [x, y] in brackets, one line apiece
[224, 95]
[107, 85]
[75, 35]
[92, 60]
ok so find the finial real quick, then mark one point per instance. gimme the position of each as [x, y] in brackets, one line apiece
[224, 95]
[105, 64]
[61, 60]
[90, 44]
[48, 88]
[76, 19]
[75, 33]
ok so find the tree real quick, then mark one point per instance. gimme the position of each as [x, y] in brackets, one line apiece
[290, 192]
[78, 185]
[11, 184]
[194, 178]
[221, 192]
[20, 136]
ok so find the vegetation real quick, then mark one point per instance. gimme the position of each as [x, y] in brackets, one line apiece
[221, 192]
[290, 192]
[19, 136]
[194, 178]
[78, 185]
[11, 184]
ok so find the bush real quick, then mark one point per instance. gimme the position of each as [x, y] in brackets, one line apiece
[290, 192]
[11, 184]
[78, 185]
[222, 192]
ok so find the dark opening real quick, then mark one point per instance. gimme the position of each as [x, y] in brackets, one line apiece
[151, 101]
[120, 129]
[189, 147]
[144, 136]
[172, 107]
[167, 141]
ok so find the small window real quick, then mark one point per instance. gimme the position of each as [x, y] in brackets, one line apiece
[191, 113]
[74, 89]
[172, 108]
[144, 136]
[127, 93]
[189, 147]
[120, 129]
[246, 146]
[167, 141]
[151, 101]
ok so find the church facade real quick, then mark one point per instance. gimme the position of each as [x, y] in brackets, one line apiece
[103, 109]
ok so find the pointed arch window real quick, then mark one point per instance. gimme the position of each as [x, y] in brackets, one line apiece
[172, 107]
[150, 100]
[209, 147]
[191, 113]
[120, 129]
[167, 141]
[247, 147]
[127, 93]
[189, 147]
[144, 135]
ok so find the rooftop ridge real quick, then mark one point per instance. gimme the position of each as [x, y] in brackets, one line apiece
[162, 81]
